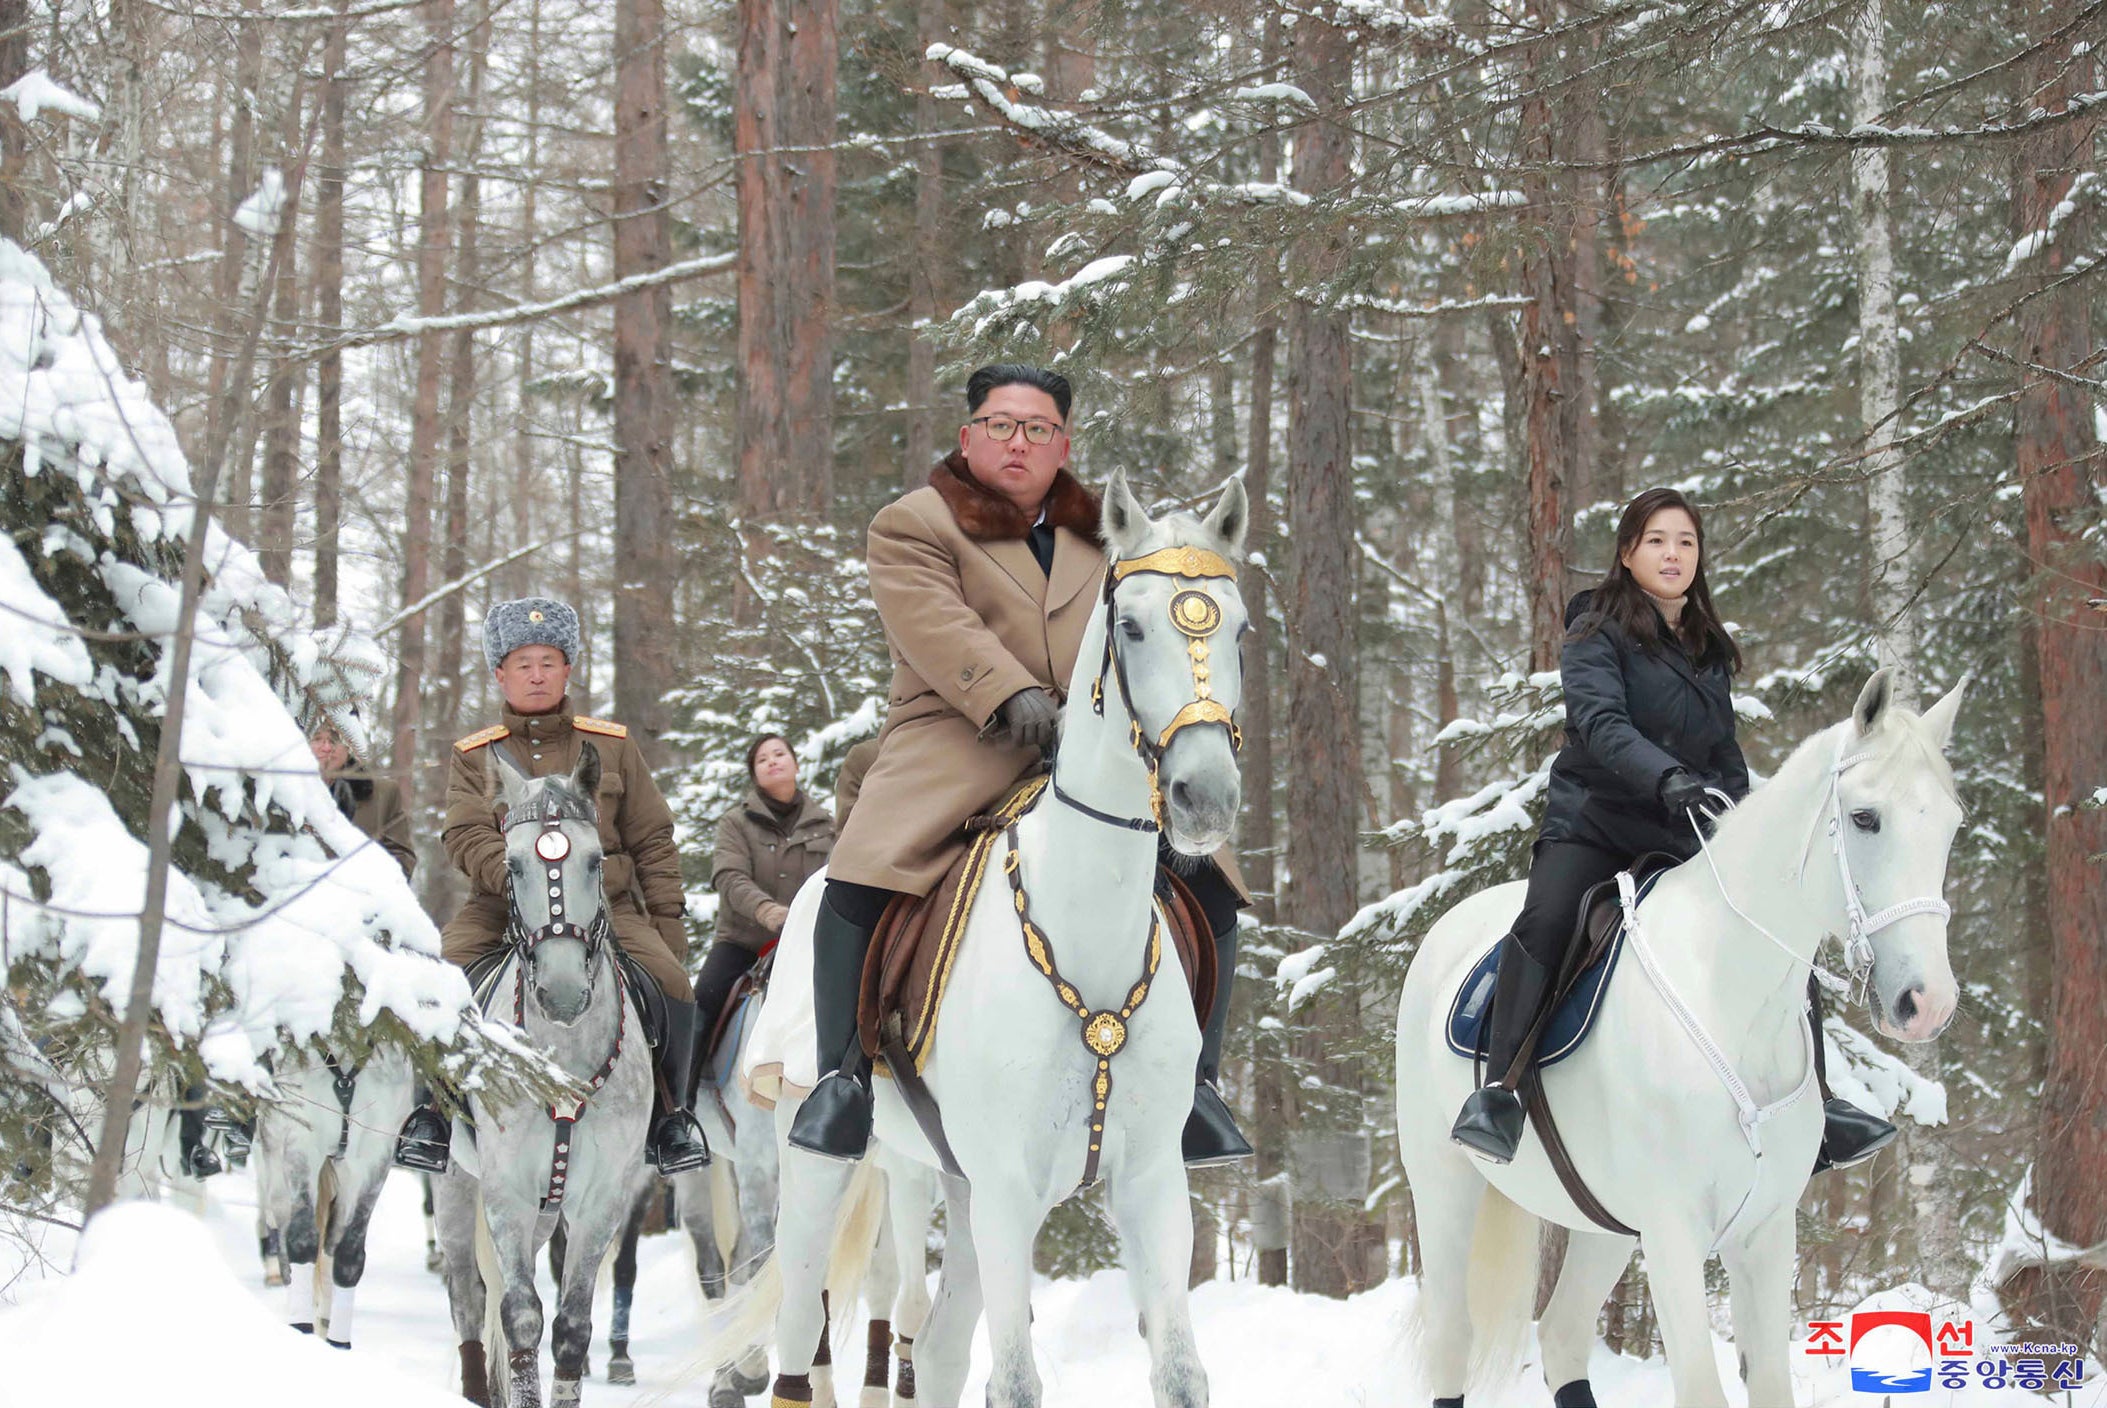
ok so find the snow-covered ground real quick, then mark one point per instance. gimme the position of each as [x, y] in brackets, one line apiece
[166, 1312]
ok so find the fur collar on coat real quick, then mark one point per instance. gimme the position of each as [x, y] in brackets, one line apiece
[986, 516]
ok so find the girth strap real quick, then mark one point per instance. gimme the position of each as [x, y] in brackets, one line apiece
[345, 1086]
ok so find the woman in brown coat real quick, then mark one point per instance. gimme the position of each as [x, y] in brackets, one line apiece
[767, 847]
[986, 581]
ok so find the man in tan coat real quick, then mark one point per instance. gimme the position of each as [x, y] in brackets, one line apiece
[986, 581]
[530, 645]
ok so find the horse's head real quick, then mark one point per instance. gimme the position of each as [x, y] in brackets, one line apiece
[559, 918]
[1893, 822]
[1173, 625]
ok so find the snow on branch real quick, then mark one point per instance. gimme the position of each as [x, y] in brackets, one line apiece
[34, 91]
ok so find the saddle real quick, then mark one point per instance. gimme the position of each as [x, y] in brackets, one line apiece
[908, 969]
[728, 1024]
[1591, 959]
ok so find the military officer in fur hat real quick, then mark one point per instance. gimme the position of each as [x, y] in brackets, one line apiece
[530, 645]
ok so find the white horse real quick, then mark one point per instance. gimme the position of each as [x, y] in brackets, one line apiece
[1851, 837]
[324, 1147]
[562, 984]
[1046, 1061]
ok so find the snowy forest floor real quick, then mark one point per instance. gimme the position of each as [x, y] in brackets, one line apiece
[209, 1336]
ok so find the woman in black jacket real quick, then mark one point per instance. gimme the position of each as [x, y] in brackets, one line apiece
[1647, 670]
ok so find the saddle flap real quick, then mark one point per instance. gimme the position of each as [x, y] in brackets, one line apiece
[649, 1002]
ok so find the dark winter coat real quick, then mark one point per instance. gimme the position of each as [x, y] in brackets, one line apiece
[1632, 716]
[374, 806]
[762, 861]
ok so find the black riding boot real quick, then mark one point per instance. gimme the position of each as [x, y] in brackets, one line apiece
[426, 1136]
[676, 1144]
[197, 1158]
[1849, 1135]
[1491, 1123]
[835, 1120]
[1211, 1136]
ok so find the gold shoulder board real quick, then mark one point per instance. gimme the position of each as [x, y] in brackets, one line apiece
[482, 736]
[600, 726]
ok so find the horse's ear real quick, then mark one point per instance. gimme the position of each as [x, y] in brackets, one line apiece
[1873, 700]
[1938, 719]
[1230, 517]
[585, 778]
[1124, 520]
[511, 778]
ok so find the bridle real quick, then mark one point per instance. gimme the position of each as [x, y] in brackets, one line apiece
[551, 848]
[1197, 616]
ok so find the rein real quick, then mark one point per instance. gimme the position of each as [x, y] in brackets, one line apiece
[1858, 953]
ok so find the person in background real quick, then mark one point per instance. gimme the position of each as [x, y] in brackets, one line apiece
[767, 846]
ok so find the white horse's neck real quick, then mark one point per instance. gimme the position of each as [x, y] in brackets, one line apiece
[1758, 852]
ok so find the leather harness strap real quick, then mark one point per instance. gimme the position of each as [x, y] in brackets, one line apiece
[1532, 1092]
[345, 1085]
[560, 1158]
[1104, 1031]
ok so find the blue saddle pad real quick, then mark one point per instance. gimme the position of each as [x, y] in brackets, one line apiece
[1570, 1023]
[723, 1064]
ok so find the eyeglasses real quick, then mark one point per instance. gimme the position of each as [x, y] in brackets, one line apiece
[1002, 429]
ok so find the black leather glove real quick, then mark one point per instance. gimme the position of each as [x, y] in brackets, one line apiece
[1680, 792]
[1029, 719]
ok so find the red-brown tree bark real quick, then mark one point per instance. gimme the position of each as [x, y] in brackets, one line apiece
[643, 419]
[329, 314]
[2061, 473]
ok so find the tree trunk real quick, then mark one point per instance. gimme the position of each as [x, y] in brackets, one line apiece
[433, 240]
[329, 313]
[14, 137]
[2059, 467]
[461, 395]
[930, 27]
[1434, 433]
[809, 86]
[1557, 409]
[224, 397]
[281, 441]
[518, 578]
[643, 381]
[758, 130]
[1324, 801]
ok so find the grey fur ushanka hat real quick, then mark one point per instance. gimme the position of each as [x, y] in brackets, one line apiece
[532, 620]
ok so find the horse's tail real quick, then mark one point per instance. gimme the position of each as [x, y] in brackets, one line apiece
[493, 1298]
[745, 1318]
[326, 1211]
[1500, 1286]
[724, 1208]
[855, 1235]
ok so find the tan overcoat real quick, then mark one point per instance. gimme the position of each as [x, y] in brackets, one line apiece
[970, 619]
[377, 810]
[640, 866]
[849, 786]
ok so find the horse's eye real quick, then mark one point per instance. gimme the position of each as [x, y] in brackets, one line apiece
[516, 865]
[1130, 628]
[1865, 819]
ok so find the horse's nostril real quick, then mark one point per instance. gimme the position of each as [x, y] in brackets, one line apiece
[1906, 1005]
[1181, 794]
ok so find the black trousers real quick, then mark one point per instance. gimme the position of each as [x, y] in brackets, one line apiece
[1560, 873]
[724, 965]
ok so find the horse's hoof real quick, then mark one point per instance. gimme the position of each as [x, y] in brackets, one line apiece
[1577, 1394]
[567, 1391]
[621, 1369]
[338, 1344]
[724, 1395]
[748, 1384]
[305, 1327]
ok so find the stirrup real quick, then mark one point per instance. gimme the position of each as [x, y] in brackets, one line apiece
[1491, 1123]
[200, 1162]
[420, 1150]
[677, 1145]
[835, 1120]
[1850, 1135]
